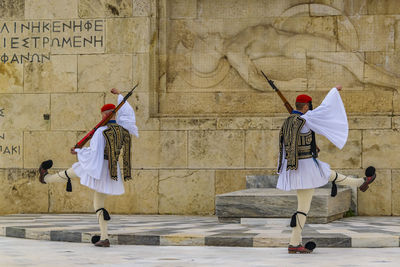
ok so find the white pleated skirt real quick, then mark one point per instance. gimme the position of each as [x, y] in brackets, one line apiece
[105, 184]
[308, 175]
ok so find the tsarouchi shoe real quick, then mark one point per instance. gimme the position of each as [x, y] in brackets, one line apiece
[298, 249]
[102, 243]
[43, 169]
[370, 176]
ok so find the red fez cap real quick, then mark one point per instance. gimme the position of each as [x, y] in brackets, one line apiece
[303, 99]
[107, 107]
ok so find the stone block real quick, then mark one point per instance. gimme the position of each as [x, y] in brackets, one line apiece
[380, 144]
[58, 75]
[188, 124]
[12, 9]
[395, 192]
[141, 8]
[220, 103]
[155, 149]
[104, 8]
[142, 104]
[128, 35]
[354, 7]
[50, 9]
[270, 202]
[182, 9]
[18, 187]
[37, 149]
[387, 7]
[261, 149]
[216, 149]
[249, 123]
[11, 78]
[223, 9]
[375, 33]
[76, 111]
[61, 201]
[348, 157]
[377, 200]
[141, 72]
[24, 111]
[186, 192]
[233, 180]
[384, 64]
[370, 122]
[100, 73]
[141, 194]
[11, 149]
[367, 102]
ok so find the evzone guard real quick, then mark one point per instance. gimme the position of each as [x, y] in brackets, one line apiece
[298, 166]
[97, 165]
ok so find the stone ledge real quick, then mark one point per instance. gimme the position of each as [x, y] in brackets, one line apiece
[274, 203]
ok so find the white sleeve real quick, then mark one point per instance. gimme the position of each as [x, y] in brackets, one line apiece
[91, 158]
[329, 119]
[126, 117]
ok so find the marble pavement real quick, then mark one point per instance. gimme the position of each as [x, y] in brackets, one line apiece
[162, 230]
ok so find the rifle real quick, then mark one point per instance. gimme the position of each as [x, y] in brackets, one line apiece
[104, 121]
[287, 104]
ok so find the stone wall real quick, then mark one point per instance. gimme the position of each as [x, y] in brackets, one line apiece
[207, 118]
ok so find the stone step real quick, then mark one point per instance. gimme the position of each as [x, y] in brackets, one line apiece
[274, 203]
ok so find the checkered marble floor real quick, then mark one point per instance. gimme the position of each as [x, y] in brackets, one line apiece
[167, 230]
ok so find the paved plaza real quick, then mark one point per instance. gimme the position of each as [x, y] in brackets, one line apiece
[162, 230]
[25, 252]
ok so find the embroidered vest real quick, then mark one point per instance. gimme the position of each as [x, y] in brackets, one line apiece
[117, 137]
[297, 145]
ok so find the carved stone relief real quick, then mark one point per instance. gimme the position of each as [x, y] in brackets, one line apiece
[298, 51]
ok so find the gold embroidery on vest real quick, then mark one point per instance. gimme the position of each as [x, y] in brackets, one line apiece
[289, 138]
[117, 137]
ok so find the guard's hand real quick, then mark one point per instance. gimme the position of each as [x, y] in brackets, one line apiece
[115, 91]
[73, 152]
[338, 87]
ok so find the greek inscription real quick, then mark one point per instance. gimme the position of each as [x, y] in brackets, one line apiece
[10, 150]
[2, 136]
[25, 40]
[1, 112]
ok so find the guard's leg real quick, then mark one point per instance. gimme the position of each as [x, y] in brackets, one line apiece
[103, 217]
[362, 183]
[304, 197]
[341, 179]
[59, 177]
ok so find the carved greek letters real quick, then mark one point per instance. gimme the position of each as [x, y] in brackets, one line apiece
[25, 41]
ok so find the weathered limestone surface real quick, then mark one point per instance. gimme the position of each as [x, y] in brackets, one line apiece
[36, 148]
[59, 75]
[378, 198]
[186, 192]
[18, 188]
[12, 9]
[104, 8]
[218, 149]
[11, 78]
[50, 9]
[24, 111]
[67, 111]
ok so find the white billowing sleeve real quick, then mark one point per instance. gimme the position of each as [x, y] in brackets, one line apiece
[90, 159]
[126, 117]
[329, 119]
